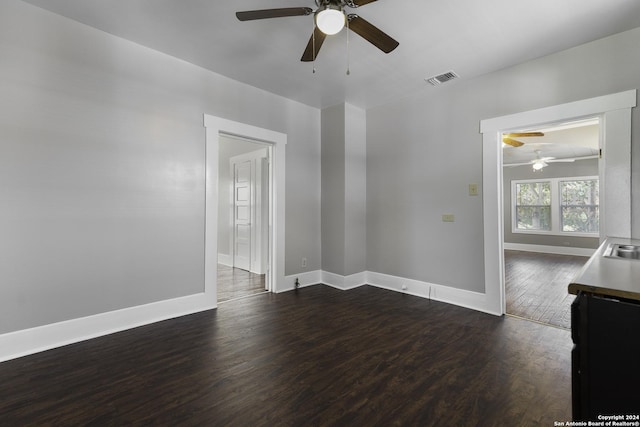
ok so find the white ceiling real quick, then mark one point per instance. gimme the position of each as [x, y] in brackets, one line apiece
[470, 37]
[561, 142]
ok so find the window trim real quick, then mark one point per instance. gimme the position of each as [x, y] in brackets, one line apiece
[556, 206]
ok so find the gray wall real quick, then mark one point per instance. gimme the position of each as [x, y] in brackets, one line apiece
[553, 170]
[423, 150]
[355, 185]
[333, 189]
[344, 183]
[102, 169]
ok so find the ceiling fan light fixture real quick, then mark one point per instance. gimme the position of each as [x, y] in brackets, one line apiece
[330, 20]
[538, 165]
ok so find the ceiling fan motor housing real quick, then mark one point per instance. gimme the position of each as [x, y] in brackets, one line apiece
[337, 3]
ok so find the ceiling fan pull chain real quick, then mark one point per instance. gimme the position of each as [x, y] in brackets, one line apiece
[313, 40]
[348, 71]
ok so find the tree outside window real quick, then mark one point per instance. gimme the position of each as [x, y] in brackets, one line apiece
[580, 206]
[533, 206]
[560, 206]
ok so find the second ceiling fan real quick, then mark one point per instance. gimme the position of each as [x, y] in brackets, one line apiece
[330, 17]
[508, 138]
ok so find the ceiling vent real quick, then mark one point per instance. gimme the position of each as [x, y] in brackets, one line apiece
[442, 78]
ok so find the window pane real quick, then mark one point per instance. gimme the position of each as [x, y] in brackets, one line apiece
[533, 218]
[580, 219]
[533, 194]
[580, 192]
[580, 210]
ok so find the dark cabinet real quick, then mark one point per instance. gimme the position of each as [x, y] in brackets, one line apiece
[605, 357]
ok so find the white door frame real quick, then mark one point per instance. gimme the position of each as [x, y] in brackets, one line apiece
[259, 224]
[615, 174]
[214, 127]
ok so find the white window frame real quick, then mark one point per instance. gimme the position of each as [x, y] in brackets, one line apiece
[556, 206]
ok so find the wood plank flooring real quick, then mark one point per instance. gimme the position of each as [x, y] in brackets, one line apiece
[314, 357]
[536, 286]
[236, 283]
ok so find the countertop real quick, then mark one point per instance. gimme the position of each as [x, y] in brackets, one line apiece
[615, 277]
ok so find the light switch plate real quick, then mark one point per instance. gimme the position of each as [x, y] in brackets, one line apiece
[448, 218]
[473, 189]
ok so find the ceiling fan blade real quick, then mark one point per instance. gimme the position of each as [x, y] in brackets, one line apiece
[560, 160]
[372, 34]
[512, 142]
[250, 15]
[523, 134]
[573, 159]
[358, 3]
[317, 38]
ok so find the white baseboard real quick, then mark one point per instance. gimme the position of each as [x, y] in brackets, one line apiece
[344, 282]
[29, 341]
[307, 278]
[225, 259]
[326, 278]
[34, 340]
[460, 297]
[545, 249]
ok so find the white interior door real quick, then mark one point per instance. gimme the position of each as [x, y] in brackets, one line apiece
[242, 215]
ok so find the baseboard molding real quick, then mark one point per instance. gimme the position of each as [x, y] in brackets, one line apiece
[545, 249]
[29, 341]
[460, 297]
[344, 282]
[318, 277]
[225, 259]
[308, 278]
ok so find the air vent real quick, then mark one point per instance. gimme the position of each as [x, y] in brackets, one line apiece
[442, 78]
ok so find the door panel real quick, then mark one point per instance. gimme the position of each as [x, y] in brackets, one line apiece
[243, 213]
[242, 194]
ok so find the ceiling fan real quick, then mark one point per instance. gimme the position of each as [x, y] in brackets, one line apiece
[330, 17]
[541, 162]
[508, 138]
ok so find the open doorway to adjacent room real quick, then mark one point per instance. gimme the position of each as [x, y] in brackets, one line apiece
[551, 213]
[243, 217]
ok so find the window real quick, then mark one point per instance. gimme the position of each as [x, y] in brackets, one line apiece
[580, 206]
[562, 206]
[533, 206]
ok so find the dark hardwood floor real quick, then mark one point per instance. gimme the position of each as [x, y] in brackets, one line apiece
[536, 286]
[314, 357]
[236, 283]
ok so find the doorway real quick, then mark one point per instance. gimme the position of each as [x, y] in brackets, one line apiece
[275, 142]
[614, 112]
[551, 193]
[243, 217]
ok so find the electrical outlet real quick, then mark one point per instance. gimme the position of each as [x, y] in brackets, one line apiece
[473, 189]
[448, 218]
[304, 262]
